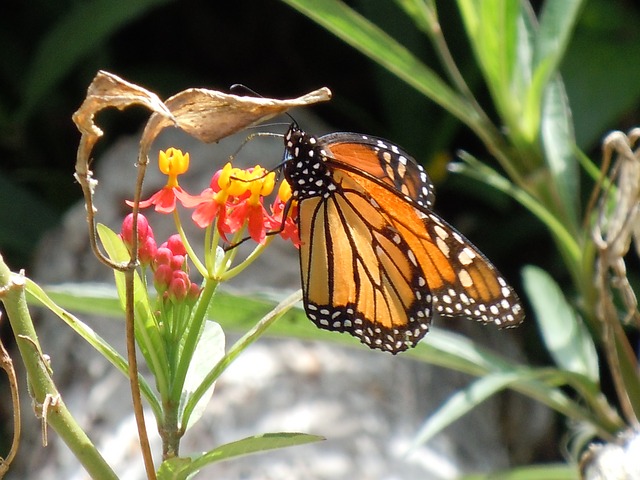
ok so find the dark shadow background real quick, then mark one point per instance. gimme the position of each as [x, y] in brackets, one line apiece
[167, 46]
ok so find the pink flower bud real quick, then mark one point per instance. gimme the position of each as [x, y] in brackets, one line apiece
[163, 257]
[162, 277]
[194, 292]
[177, 261]
[147, 251]
[179, 287]
[174, 243]
[144, 230]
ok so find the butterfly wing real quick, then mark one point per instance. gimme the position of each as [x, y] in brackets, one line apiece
[383, 161]
[356, 275]
[376, 267]
[460, 279]
[375, 260]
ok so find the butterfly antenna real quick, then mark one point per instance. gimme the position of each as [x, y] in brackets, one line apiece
[240, 86]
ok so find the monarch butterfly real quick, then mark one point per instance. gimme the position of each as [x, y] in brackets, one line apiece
[375, 260]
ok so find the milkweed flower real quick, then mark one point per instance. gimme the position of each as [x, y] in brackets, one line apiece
[171, 162]
[250, 209]
[233, 198]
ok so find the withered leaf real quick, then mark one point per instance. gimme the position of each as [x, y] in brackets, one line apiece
[207, 115]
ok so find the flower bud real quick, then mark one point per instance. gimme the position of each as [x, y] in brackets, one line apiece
[179, 286]
[147, 251]
[174, 243]
[162, 277]
[144, 230]
[163, 256]
[177, 261]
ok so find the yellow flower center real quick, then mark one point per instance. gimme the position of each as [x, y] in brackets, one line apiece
[173, 162]
[236, 182]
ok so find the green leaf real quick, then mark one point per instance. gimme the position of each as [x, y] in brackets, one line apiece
[557, 22]
[176, 468]
[462, 402]
[370, 40]
[550, 39]
[558, 142]
[100, 299]
[238, 313]
[492, 27]
[180, 469]
[209, 351]
[565, 336]
[534, 472]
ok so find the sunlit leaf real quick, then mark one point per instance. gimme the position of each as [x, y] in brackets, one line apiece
[533, 472]
[181, 469]
[209, 351]
[463, 401]
[564, 334]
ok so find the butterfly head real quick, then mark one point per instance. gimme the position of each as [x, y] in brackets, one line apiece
[304, 165]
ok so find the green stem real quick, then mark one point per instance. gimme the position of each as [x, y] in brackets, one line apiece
[185, 241]
[43, 388]
[198, 317]
[476, 169]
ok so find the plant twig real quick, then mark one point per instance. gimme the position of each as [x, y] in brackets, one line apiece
[12, 294]
[7, 365]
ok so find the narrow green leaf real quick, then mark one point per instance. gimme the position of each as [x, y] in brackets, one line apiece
[558, 142]
[446, 349]
[179, 470]
[99, 299]
[565, 336]
[533, 472]
[557, 22]
[209, 351]
[493, 30]
[366, 37]
[462, 402]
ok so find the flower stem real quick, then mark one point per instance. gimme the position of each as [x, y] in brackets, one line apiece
[43, 390]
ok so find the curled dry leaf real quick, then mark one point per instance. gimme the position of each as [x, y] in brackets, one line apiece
[107, 90]
[207, 115]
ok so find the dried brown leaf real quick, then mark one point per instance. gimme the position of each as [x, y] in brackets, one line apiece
[209, 115]
[108, 90]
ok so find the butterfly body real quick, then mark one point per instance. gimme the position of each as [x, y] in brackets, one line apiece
[375, 261]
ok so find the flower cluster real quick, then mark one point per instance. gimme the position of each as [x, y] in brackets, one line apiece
[168, 262]
[233, 199]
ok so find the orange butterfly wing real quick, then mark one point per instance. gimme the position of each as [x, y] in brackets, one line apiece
[375, 260]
